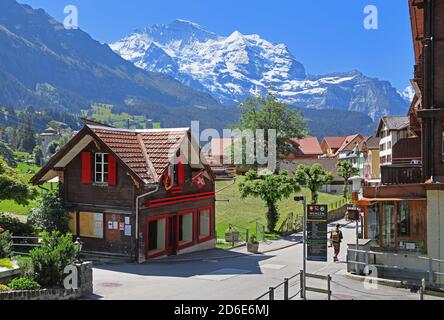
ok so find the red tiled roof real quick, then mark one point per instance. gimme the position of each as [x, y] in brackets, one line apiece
[335, 142]
[309, 145]
[347, 142]
[146, 152]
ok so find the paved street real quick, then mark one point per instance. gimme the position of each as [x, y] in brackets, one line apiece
[222, 275]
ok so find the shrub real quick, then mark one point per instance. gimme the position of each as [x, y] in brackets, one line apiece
[23, 284]
[4, 288]
[253, 240]
[50, 214]
[50, 259]
[5, 245]
[16, 227]
[6, 263]
[26, 267]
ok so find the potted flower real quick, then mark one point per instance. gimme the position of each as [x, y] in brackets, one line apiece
[231, 235]
[253, 245]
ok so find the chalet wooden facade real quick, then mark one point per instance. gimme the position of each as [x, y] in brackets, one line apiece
[139, 194]
[405, 213]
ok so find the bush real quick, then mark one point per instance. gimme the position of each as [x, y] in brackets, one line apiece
[6, 263]
[253, 240]
[5, 245]
[23, 284]
[50, 259]
[50, 214]
[26, 267]
[16, 227]
[4, 288]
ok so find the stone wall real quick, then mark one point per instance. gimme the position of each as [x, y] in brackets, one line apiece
[85, 283]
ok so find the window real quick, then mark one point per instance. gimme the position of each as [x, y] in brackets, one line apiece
[186, 229]
[387, 224]
[101, 168]
[404, 219]
[389, 145]
[205, 232]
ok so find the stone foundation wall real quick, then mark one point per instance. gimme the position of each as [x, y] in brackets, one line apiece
[85, 283]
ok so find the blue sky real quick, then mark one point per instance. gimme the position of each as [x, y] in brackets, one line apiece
[325, 35]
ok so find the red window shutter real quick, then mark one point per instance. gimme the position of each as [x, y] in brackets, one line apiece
[86, 167]
[181, 171]
[112, 171]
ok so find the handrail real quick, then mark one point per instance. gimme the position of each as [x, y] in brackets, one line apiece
[270, 291]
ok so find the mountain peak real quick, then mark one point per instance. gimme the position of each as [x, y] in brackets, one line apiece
[237, 66]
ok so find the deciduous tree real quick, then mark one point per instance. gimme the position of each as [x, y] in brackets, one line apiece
[314, 177]
[346, 170]
[270, 188]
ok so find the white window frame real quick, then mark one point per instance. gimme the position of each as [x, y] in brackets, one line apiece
[102, 172]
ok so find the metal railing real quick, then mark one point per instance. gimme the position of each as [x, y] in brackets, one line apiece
[286, 287]
[22, 245]
[293, 281]
[243, 234]
[428, 270]
[260, 230]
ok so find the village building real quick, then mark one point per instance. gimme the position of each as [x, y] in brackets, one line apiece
[390, 130]
[305, 148]
[136, 194]
[329, 164]
[340, 147]
[46, 137]
[405, 213]
[370, 151]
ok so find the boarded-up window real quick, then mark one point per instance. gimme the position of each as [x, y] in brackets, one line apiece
[91, 225]
[73, 223]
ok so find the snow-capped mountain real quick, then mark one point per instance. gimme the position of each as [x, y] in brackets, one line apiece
[235, 67]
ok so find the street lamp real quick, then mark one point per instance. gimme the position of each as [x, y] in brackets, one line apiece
[303, 199]
[79, 245]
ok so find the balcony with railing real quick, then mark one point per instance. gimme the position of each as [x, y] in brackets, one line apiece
[401, 174]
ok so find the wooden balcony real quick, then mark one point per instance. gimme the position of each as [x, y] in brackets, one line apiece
[401, 174]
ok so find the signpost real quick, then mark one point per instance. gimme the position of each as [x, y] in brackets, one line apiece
[317, 240]
[314, 223]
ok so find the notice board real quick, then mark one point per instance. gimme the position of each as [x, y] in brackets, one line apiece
[317, 240]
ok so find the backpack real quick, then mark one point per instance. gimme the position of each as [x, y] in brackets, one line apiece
[335, 236]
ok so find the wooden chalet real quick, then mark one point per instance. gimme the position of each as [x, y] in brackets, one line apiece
[139, 194]
[403, 213]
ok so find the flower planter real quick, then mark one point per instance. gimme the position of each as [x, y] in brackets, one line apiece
[232, 236]
[253, 247]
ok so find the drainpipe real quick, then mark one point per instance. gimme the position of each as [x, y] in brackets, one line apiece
[156, 188]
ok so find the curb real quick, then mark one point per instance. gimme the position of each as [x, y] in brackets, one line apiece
[384, 282]
[229, 256]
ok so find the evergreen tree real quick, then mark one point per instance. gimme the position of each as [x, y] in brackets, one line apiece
[25, 133]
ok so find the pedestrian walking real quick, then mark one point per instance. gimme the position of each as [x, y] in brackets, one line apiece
[336, 239]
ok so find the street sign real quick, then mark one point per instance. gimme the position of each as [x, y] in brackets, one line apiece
[317, 242]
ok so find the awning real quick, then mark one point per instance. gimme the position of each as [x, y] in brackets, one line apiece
[369, 201]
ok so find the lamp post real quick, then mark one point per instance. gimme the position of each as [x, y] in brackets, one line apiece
[79, 245]
[304, 231]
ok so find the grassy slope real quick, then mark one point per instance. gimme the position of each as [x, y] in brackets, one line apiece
[245, 213]
[22, 168]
